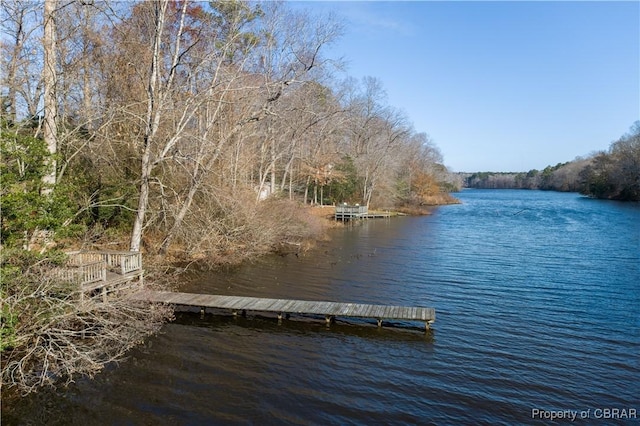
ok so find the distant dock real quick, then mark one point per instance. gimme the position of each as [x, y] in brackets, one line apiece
[285, 307]
[346, 212]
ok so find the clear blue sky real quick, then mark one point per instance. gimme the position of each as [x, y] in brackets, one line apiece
[500, 86]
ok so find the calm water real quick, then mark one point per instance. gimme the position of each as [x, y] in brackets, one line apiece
[536, 293]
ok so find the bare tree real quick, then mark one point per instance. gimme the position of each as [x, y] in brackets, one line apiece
[15, 18]
[151, 119]
[286, 55]
[21, 22]
[376, 132]
[49, 79]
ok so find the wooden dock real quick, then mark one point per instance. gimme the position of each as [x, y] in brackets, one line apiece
[101, 272]
[284, 307]
[345, 212]
[378, 215]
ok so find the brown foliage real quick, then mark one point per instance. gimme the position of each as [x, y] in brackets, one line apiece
[230, 226]
[424, 185]
[50, 338]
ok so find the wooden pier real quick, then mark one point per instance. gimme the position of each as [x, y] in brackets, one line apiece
[98, 273]
[346, 212]
[285, 307]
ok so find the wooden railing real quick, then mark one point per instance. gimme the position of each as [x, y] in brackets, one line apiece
[101, 271]
[93, 272]
[121, 262]
[79, 258]
[345, 209]
[346, 212]
[90, 272]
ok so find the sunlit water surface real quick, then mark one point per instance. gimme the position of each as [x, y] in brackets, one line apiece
[536, 293]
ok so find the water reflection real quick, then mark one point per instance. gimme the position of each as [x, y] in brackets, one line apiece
[391, 330]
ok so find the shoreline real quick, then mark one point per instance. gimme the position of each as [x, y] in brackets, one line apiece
[320, 218]
[309, 227]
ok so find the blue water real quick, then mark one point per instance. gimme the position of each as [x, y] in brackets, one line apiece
[536, 293]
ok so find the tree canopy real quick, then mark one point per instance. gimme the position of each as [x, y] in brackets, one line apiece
[148, 118]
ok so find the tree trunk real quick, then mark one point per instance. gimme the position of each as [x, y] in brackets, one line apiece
[291, 186]
[306, 189]
[50, 131]
[273, 164]
[152, 122]
[315, 194]
[178, 220]
[13, 66]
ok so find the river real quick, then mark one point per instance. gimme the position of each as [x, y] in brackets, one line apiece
[536, 294]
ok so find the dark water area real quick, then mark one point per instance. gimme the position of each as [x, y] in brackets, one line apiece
[537, 296]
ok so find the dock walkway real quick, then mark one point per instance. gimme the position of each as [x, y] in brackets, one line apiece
[281, 307]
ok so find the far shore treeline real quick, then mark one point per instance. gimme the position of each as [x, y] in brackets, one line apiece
[613, 174]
